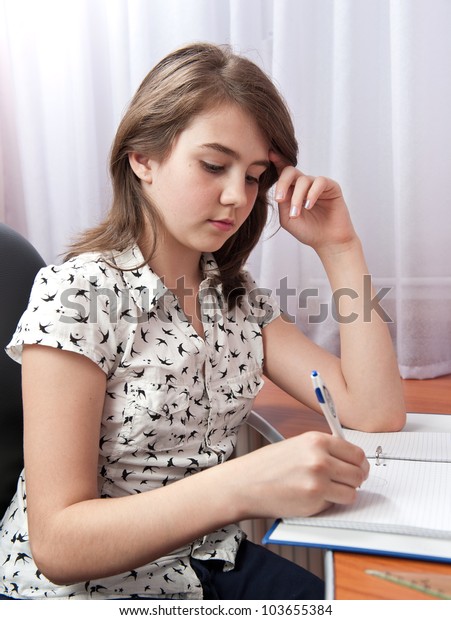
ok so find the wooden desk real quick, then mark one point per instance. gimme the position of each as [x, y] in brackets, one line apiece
[290, 418]
[352, 582]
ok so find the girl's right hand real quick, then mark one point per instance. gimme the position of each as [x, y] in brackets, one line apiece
[301, 476]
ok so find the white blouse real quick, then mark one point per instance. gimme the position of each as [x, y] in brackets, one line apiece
[174, 401]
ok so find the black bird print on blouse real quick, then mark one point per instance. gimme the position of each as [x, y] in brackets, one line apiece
[174, 402]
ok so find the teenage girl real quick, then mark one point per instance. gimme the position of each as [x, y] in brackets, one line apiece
[142, 354]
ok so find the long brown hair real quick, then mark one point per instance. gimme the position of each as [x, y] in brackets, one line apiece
[185, 83]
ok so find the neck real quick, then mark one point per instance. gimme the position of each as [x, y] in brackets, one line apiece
[174, 264]
[176, 271]
[182, 276]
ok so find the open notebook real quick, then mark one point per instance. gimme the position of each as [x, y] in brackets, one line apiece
[406, 499]
[408, 490]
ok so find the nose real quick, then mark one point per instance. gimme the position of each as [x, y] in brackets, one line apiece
[234, 192]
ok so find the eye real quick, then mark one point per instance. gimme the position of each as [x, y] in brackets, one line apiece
[212, 168]
[251, 180]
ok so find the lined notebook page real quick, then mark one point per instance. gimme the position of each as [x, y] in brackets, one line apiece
[399, 497]
[414, 446]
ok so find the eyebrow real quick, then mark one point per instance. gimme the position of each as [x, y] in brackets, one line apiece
[221, 148]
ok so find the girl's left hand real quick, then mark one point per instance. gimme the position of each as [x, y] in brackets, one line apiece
[312, 209]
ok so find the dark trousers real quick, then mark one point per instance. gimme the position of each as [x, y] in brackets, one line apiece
[258, 574]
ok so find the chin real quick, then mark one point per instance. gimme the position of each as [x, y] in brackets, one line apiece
[211, 246]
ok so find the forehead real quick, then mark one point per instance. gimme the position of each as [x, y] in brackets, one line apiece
[229, 125]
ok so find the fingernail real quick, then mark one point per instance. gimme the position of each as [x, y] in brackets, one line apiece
[279, 196]
[307, 204]
[294, 211]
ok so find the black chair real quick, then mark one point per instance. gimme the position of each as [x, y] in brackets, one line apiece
[19, 264]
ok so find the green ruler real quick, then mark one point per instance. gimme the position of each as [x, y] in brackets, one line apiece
[435, 585]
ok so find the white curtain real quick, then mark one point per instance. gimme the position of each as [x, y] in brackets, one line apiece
[369, 86]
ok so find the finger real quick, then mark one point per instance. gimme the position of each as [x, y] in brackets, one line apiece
[291, 186]
[336, 460]
[347, 474]
[300, 197]
[306, 193]
[344, 482]
[347, 451]
[338, 493]
[350, 463]
[318, 187]
[299, 191]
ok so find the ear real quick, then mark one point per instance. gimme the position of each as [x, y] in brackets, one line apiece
[141, 166]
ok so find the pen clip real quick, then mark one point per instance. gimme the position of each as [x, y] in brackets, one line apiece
[326, 404]
[329, 401]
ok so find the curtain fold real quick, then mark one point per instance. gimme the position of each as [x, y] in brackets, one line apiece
[369, 86]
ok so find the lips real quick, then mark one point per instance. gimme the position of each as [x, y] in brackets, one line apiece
[223, 225]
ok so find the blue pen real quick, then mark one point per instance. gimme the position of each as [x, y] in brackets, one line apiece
[327, 404]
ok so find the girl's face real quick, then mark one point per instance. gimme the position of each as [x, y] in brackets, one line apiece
[205, 189]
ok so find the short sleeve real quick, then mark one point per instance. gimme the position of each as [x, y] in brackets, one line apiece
[263, 306]
[70, 309]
